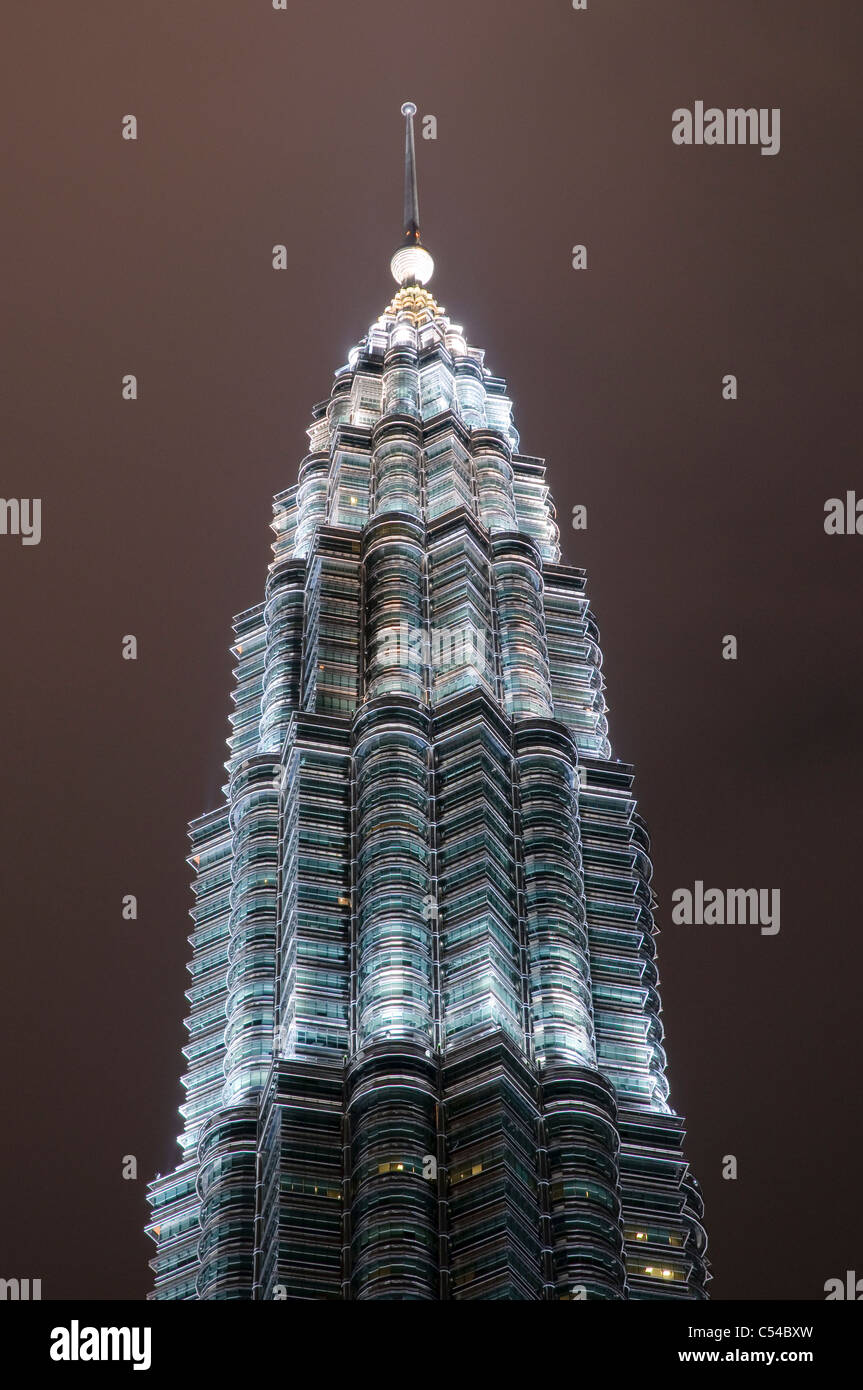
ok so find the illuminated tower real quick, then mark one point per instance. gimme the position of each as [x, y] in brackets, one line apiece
[425, 1056]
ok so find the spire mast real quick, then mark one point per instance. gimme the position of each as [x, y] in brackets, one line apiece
[411, 264]
[412, 205]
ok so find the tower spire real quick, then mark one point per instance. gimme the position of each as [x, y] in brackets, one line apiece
[412, 205]
[411, 264]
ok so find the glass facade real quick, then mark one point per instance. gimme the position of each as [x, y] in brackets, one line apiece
[425, 1055]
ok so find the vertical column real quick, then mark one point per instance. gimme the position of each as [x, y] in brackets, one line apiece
[250, 1008]
[315, 906]
[300, 1183]
[662, 1209]
[575, 660]
[311, 500]
[469, 389]
[283, 663]
[249, 651]
[395, 632]
[462, 646]
[227, 1160]
[482, 983]
[401, 388]
[518, 589]
[333, 629]
[534, 509]
[449, 468]
[490, 1097]
[394, 948]
[392, 1094]
[559, 969]
[396, 466]
[617, 873]
[581, 1144]
[494, 477]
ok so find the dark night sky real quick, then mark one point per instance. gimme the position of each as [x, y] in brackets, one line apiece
[705, 518]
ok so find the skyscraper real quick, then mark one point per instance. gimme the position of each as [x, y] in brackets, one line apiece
[425, 1055]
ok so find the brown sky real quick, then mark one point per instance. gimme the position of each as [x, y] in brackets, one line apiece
[705, 517]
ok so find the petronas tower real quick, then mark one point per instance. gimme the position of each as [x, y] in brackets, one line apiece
[425, 1056]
